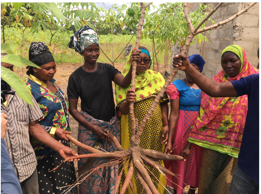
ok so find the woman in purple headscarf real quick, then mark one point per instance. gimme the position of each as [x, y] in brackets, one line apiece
[185, 102]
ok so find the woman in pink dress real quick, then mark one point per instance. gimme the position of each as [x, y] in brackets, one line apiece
[185, 103]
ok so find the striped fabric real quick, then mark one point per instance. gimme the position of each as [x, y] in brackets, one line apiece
[17, 138]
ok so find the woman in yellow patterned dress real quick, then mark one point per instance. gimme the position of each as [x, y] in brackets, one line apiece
[148, 83]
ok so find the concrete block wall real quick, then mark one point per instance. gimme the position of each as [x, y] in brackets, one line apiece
[243, 31]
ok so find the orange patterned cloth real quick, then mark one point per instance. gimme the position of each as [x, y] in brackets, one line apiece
[220, 123]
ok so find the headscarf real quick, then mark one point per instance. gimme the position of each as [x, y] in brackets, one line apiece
[147, 83]
[83, 38]
[39, 54]
[197, 60]
[220, 123]
[234, 49]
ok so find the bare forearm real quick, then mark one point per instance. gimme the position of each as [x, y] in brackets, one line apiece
[172, 125]
[209, 86]
[124, 108]
[39, 133]
[80, 118]
[127, 79]
[164, 112]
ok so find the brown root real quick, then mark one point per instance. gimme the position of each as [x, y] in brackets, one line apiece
[83, 146]
[139, 166]
[160, 156]
[127, 179]
[143, 183]
[115, 141]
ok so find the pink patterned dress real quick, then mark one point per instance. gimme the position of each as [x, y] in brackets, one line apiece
[187, 172]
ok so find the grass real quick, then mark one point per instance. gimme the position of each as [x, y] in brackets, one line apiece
[112, 45]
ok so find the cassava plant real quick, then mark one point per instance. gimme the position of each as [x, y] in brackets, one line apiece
[135, 156]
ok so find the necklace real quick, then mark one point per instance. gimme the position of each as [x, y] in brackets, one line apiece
[192, 90]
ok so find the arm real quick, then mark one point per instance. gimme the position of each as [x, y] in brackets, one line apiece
[165, 129]
[39, 133]
[173, 119]
[130, 97]
[3, 125]
[207, 85]
[80, 118]
[122, 81]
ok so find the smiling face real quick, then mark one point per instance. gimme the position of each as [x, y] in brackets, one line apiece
[144, 64]
[91, 53]
[46, 72]
[231, 64]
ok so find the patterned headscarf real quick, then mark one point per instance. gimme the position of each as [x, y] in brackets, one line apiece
[220, 122]
[197, 60]
[39, 54]
[83, 38]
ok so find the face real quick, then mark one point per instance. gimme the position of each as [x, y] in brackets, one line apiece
[196, 67]
[231, 64]
[46, 72]
[144, 64]
[7, 65]
[91, 53]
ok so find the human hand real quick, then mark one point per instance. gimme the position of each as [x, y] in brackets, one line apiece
[67, 152]
[61, 134]
[135, 55]
[99, 132]
[4, 127]
[131, 96]
[165, 134]
[181, 61]
[186, 151]
[169, 148]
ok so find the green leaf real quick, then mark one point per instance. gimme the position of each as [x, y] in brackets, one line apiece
[8, 48]
[130, 12]
[55, 10]
[17, 84]
[17, 5]
[18, 61]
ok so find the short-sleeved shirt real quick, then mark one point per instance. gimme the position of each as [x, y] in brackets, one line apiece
[9, 180]
[189, 98]
[94, 90]
[248, 159]
[17, 138]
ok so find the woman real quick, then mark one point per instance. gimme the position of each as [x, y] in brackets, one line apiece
[55, 120]
[185, 102]
[148, 84]
[219, 125]
[92, 82]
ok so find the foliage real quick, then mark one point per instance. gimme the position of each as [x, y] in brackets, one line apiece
[10, 77]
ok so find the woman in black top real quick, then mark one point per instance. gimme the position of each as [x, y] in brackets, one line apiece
[92, 82]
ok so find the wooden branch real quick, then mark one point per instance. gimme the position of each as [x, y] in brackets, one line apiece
[187, 17]
[148, 5]
[225, 21]
[208, 16]
[134, 64]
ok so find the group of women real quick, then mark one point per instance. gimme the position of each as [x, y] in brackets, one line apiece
[206, 131]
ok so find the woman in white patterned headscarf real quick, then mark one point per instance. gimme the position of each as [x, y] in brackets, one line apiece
[92, 83]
